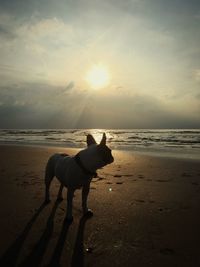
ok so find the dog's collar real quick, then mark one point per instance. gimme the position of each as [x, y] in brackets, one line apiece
[80, 164]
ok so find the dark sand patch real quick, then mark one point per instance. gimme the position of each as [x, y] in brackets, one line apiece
[186, 174]
[140, 200]
[163, 180]
[167, 251]
[141, 176]
[195, 183]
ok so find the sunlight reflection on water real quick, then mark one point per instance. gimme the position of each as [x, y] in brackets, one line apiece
[97, 133]
[166, 142]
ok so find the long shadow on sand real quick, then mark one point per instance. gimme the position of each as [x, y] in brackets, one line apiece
[78, 252]
[9, 258]
[35, 257]
[55, 260]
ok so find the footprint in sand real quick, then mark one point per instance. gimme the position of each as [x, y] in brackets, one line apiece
[119, 183]
[151, 201]
[164, 209]
[93, 188]
[140, 200]
[163, 181]
[194, 183]
[167, 251]
[98, 179]
[126, 175]
[186, 174]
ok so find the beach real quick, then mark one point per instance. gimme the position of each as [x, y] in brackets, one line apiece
[146, 212]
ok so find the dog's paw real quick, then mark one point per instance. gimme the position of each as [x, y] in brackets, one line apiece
[59, 199]
[69, 220]
[88, 213]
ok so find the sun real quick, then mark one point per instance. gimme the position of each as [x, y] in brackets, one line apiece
[98, 77]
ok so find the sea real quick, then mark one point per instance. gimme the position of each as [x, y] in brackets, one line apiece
[163, 142]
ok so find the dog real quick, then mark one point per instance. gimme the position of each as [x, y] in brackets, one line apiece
[77, 171]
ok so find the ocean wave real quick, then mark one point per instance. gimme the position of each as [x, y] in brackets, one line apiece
[130, 138]
[37, 132]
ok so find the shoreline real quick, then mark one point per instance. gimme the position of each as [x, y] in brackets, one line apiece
[143, 152]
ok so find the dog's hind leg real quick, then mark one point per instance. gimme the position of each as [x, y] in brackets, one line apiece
[49, 174]
[59, 196]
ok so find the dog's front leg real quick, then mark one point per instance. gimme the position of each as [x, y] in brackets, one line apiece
[70, 195]
[85, 192]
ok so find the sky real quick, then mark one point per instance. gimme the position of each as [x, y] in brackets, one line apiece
[150, 49]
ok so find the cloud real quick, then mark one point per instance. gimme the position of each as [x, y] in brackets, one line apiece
[45, 106]
[197, 75]
[45, 45]
[70, 86]
[33, 105]
[6, 33]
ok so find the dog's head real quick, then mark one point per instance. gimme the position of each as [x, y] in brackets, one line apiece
[103, 151]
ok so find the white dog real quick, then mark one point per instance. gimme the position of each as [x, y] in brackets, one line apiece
[78, 171]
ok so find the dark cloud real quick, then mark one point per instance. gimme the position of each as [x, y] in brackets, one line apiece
[133, 112]
[6, 33]
[70, 86]
[44, 106]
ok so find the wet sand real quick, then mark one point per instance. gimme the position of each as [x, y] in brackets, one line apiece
[146, 213]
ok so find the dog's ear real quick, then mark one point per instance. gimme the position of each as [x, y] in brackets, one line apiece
[103, 140]
[90, 140]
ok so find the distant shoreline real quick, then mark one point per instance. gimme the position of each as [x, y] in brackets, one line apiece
[151, 153]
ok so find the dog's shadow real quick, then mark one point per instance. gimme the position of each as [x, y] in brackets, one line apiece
[11, 255]
[78, 251]
[35, 257]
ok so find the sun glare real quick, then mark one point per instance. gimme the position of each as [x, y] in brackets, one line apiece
[98, 77]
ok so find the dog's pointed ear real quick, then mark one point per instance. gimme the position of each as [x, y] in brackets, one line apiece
[103, 140]
[90, 140]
